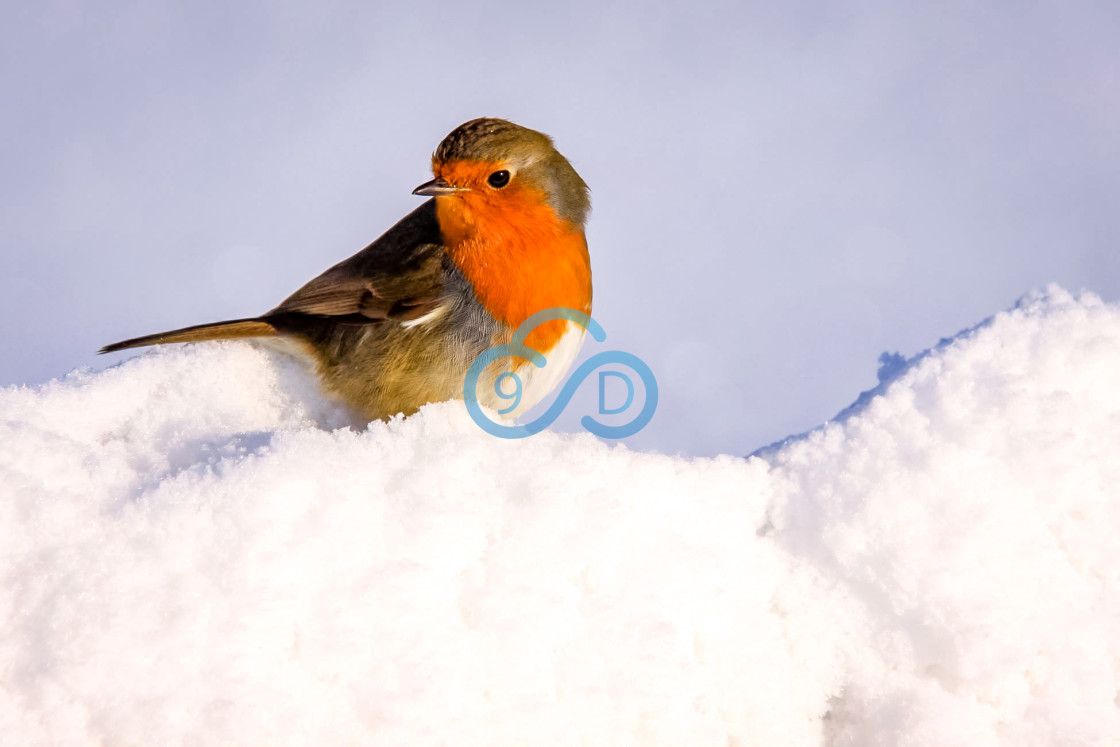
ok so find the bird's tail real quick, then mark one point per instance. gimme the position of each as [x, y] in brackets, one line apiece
[232, 330]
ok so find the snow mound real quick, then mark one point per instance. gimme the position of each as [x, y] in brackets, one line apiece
[194, 548]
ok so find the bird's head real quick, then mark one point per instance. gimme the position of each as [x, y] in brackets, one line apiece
[495, 166]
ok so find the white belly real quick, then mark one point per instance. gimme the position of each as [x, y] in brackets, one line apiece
[537, 383]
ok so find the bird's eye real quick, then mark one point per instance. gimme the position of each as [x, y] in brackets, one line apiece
[498, 179]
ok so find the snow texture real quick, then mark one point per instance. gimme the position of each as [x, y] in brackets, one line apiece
[195, 548]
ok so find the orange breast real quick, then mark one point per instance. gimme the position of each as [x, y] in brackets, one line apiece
[519, 256]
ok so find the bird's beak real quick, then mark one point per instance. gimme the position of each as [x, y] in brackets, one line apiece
[436, 187]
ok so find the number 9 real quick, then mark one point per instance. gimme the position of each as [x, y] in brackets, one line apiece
[515, 396]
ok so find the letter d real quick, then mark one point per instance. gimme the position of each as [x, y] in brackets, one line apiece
[603, 392]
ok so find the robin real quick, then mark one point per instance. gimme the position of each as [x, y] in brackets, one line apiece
[398, 324]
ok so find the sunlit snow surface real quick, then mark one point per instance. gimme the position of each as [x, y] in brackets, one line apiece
[195, 549]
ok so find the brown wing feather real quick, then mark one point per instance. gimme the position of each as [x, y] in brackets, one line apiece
[399, 277]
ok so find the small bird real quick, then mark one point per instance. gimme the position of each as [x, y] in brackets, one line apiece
[398, 324]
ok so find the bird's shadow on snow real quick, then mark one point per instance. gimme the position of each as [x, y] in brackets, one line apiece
[200, 456]
[210, 453]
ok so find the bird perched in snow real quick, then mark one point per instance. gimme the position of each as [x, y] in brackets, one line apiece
[398, 324]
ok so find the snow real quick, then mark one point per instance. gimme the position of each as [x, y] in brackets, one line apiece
[196, 547]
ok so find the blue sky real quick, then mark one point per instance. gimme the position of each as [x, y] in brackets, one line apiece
[781, 192]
